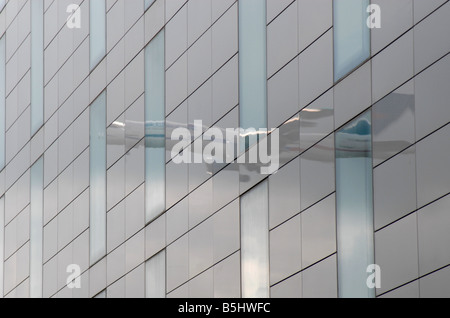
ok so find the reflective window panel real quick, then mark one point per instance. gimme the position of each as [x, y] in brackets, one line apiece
[2, 235]
[252, 67]
[37, 65]
[255, 242]
[354, 207]
[97, 36]
[155, 173]
[2, 101]
[351, 35]
[36, 225]
[98, 179]
[155, 276]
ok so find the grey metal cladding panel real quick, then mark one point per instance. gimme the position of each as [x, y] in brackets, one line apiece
[316, 69]
[433, 175]
[284, 193]
[274, 7]
[317, 172]
[226, 231]
[433, 225]
[410, 290]
[317, 120]
[424, 7]
[436, 285]
[199, 18]
[202, 286]
[314, 18]
[176, 83]
[393, 123]
[201, 248]
[319, 231]
[282, 39]
[225, 89]
[393, 66]
[224, 36]
[289, 288]
[397, 17]
[285, 250]
[353, 94]
[199, 61]
[320, 280]
[176, 182]
[432, 96]
[227, 277]
[428, 49]
[177, 220]
[283, 96]
[395, 188]
[200, 203]
[396, 253]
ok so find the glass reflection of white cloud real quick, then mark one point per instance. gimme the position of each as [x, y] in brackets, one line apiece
[255, 242]
[155, 276]
[36, 223]
[354, 207]
[97, 187]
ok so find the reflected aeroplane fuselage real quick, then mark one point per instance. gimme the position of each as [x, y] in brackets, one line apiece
[160, 136]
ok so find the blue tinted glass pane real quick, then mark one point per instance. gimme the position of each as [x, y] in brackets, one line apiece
[155, 276]
[155, 174]
[148, 3]
[97, 35]
[2, 101]
[255, 242]
[2, 4]
[252, 66]
[351, 35]
[98, 178]
[36, 224]
[37, 65]
[354, 207]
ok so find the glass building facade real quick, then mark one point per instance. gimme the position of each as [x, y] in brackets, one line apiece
[88, 181]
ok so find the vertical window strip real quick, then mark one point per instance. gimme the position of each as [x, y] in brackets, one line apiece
[97, 35]
[351, 35]
[155, 173]
[155, 276]
[252, 67]
[255, 242]
[37, 65]
[2, 102]
[2, 236]
[36, 228]
[354, 207]
[97, 202]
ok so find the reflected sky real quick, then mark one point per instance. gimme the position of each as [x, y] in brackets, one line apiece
[354, 207]
[255, 242]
